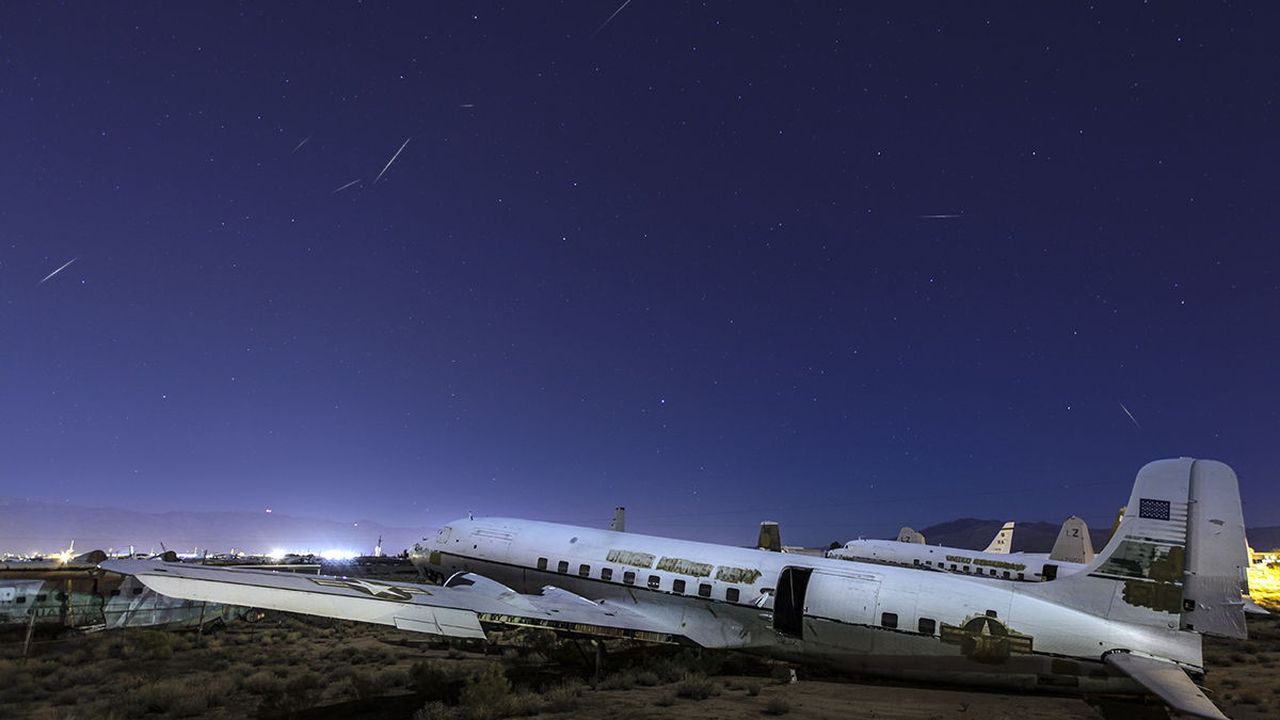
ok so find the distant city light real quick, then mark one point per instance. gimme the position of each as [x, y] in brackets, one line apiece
[339, 554]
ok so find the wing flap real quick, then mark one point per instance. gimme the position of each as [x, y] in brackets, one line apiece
[1167, 681]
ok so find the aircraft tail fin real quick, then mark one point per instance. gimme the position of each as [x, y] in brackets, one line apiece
[770, 537]
[1003, 541]
[1073, 544]
[908, 535]
[1177, 559]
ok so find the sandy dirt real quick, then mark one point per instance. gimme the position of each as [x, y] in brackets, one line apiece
[288, 667]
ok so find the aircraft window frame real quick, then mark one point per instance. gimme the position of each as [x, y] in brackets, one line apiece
[926, 626]
[606, 574]
[1021, 576]
[889, 620]
[732, 594]
[966, 569]
[915, 561]
[953, 566]
[991, 613]
[562, 567]
[677, 586]
[629, 577]
[704, 590]
[584, 570]
[654, 582]
[542, 563]
[1007, 576]
[21, 599]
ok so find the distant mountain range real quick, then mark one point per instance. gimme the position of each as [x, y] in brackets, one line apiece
[975, 534]
[27, 526]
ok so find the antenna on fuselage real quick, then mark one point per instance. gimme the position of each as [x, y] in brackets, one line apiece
[619, 521]
[471, 515]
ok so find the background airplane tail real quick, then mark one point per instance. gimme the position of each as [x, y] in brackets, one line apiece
[908, 535]
[1003, 541]
[1073, 544]
[1177, 559]
[770, 537]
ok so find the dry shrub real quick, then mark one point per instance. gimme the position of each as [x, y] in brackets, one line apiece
[624, 680]
[262, 683]
[777, 705]
[171, 697]
[435, 711]
[753, 688]
[697, 687]
[666, 699]
[485, 694]
[648, 678]
[374, 683]
[524, 704]
[435, 680]
[563, 697]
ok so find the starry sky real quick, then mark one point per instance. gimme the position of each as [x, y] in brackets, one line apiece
[845, 267]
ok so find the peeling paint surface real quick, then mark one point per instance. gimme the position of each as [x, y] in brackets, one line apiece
[685, 567]
[629, 557]
[729, 574]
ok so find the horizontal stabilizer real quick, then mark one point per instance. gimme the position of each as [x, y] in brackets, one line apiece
[1167, 681]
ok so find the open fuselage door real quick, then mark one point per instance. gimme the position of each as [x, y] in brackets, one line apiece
[822, 597]
[788, 601]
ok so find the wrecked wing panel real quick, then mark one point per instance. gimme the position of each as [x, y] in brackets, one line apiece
[459, 609]
[1168, 681]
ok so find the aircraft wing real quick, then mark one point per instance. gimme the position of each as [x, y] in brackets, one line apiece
[1168, 681]
[461, 608]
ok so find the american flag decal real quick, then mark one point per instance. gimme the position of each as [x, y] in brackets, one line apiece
[1153, 509]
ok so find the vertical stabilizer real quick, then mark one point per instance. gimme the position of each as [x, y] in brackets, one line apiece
[908, 535]
[770, 537]
[1073, 544]
[1176, 558]
[1003, 541]
[619, 521]
[1217, 555]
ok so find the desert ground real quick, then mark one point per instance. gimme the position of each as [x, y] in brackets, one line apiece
[286, 666]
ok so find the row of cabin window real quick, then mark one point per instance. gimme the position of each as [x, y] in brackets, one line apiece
[943, 566]
[925, 626]
[654, 582]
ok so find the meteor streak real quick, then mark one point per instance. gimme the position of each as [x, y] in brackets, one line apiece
[55, 272]
[1131, 417]
[621, 7]
[344, 187]
[393, 159]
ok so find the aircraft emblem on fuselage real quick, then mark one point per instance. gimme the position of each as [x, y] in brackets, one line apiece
[986, 639]
[378, 590]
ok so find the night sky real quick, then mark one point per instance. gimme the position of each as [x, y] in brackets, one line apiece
[843, 267]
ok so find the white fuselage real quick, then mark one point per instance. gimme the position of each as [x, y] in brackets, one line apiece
[869, 618]
[1006, 566]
